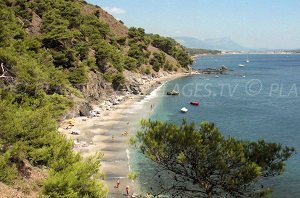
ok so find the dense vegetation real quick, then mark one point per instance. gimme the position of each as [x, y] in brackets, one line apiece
[139, 43]
[194, 51]
[200, 162]
[47, 48]
[171, 47]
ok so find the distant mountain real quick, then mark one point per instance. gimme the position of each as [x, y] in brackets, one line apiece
[225, 44]
[191, 42]
[218, 43]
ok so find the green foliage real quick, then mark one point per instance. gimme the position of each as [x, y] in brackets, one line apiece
[147, 71]
[107, 55]
[118, 80]
[193, 51]
[8, 170]
[168, 66]
[121, 41]
[11, 28]
[136, 52]
[78, 180]
[93, 28]
[262, 153]
[28, 127]
[56, 30]
[265, 193]
[158, 61]
[130, 63]
[78, 75]
[182, 57]
[132, 175]
[204, 163]
[171, 47]
[165, 44]
[43, 63]
[136, 34]
[117, 61]
[108, 76]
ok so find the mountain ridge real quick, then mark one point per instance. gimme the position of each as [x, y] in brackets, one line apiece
[224, 43]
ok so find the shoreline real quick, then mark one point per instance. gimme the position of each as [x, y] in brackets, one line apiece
[110, 132]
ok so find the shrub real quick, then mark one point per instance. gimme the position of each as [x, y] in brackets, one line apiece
[132, 175]
[78, 75]
[118, 80]
[8, 170]
[77, 180]
[147, 71]
[130, 63]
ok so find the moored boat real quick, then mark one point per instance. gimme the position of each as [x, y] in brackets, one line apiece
[184, 110]
[173, 93]
[194, 103]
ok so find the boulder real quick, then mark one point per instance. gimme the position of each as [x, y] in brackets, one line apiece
[135, 89]
[84, 109]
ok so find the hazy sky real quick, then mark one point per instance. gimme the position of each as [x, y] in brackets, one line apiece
[251, 23]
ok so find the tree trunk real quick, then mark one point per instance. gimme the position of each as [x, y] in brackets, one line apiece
[208, 190]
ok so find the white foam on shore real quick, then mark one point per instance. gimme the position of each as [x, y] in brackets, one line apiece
[140, 104]
[154, 93]
[128, 157]
[136, 110]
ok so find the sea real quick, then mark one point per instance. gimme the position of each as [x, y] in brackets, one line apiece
[254, 100]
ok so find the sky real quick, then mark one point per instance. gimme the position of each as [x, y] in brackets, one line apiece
[272, 24]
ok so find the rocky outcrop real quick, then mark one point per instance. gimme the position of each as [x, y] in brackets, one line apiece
[221, 70]
[135, 88]
[96, 89]
[85, 109]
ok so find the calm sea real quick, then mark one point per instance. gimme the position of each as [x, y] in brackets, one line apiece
[260, 100]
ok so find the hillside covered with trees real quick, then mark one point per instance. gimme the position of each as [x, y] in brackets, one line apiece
[194, 51]
[50, 50]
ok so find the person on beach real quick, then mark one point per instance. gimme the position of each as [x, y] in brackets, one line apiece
[118, 183]
[127, 190]
[113, 138]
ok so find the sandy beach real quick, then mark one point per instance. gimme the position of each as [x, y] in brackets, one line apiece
[110, 132]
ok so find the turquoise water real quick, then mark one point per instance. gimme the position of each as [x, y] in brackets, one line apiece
[258, 101]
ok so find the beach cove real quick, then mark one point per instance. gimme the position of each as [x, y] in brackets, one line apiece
[110, 131]
[221, 107]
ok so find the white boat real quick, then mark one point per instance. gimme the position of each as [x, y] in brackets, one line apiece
[241, 65]
[216, 76]
[184, 110]
[247, 60]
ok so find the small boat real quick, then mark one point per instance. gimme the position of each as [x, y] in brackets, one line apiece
[241, 65]
[173, 93]
[194, 103]
[247, 60]
[184, 110]
[216, 76]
